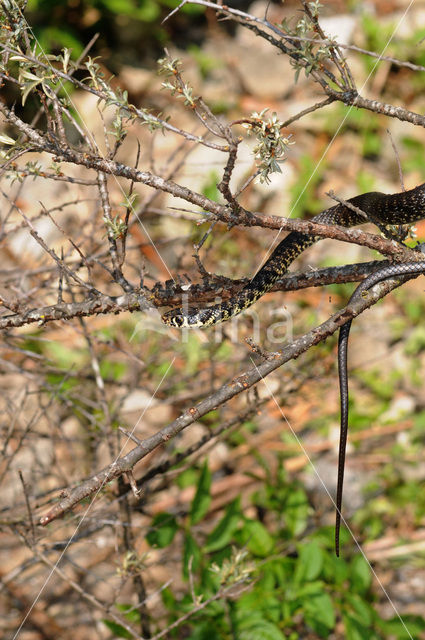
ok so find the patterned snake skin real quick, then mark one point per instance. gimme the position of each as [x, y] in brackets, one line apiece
[389, 271]
[386, 209]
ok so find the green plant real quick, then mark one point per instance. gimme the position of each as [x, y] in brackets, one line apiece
[264, 576]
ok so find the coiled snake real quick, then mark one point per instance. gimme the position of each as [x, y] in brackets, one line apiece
[383, 209]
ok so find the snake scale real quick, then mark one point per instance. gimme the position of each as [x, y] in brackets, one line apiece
[386, 209]
[383, 209]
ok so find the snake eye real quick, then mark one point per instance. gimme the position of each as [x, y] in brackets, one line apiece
[174, 318]
[177, 320]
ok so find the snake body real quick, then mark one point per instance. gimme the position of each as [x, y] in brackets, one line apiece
[382, 209]
[389, 271]
[386, 209]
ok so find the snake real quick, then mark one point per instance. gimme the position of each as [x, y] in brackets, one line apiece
[405, 207]
[410, 269]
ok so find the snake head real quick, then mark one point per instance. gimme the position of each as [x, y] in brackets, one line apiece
[189, 317]
[174, 318]
[177, 317]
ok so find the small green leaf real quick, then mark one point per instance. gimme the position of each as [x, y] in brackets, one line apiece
[335, 569]
[27, 88]
[27, 75]
[361, 609]
[296, 512]
[310, 562]
[223, 533]
[202, 498]
[360, 574]
[65, 357]
[309, 590]
[163, 529]
[209, 188]
[112, 369]
[408, 627]
[320, 612]
[169, 600]
[354, 630]
[191, 555]
[257, 538]
[263, 630]
[118, 630]
[4, 139]
[131, 613]
[187, 478]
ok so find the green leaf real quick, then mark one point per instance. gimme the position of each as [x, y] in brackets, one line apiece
[191, 555]
[223, 533]
[130, 613]
[209, 188]
[4, 139]
[189, 9]
[296, 512]
[310, 562]
[259, 602]
[169, 600]
[319, 612]
[202, 499]
[361, 609]
[257, 538]
[163, 529]
[118, 630]
[335, 570]
[408, 627]
[187, 478]
[309, 590]
[27, 88]
[354, 630]
[263, 630]
[360, 574]
[53, 37]
[248, 618]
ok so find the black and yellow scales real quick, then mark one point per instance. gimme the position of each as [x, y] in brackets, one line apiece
[384, 209]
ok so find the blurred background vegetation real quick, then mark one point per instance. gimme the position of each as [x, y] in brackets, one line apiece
[130, 31]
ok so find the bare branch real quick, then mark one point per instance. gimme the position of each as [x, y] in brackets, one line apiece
[234, 387]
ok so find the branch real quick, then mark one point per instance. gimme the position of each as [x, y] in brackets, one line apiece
[131, 109]
[245, 217]
[225, 288]
[228, 391]
[347, 94]
[68, 310]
